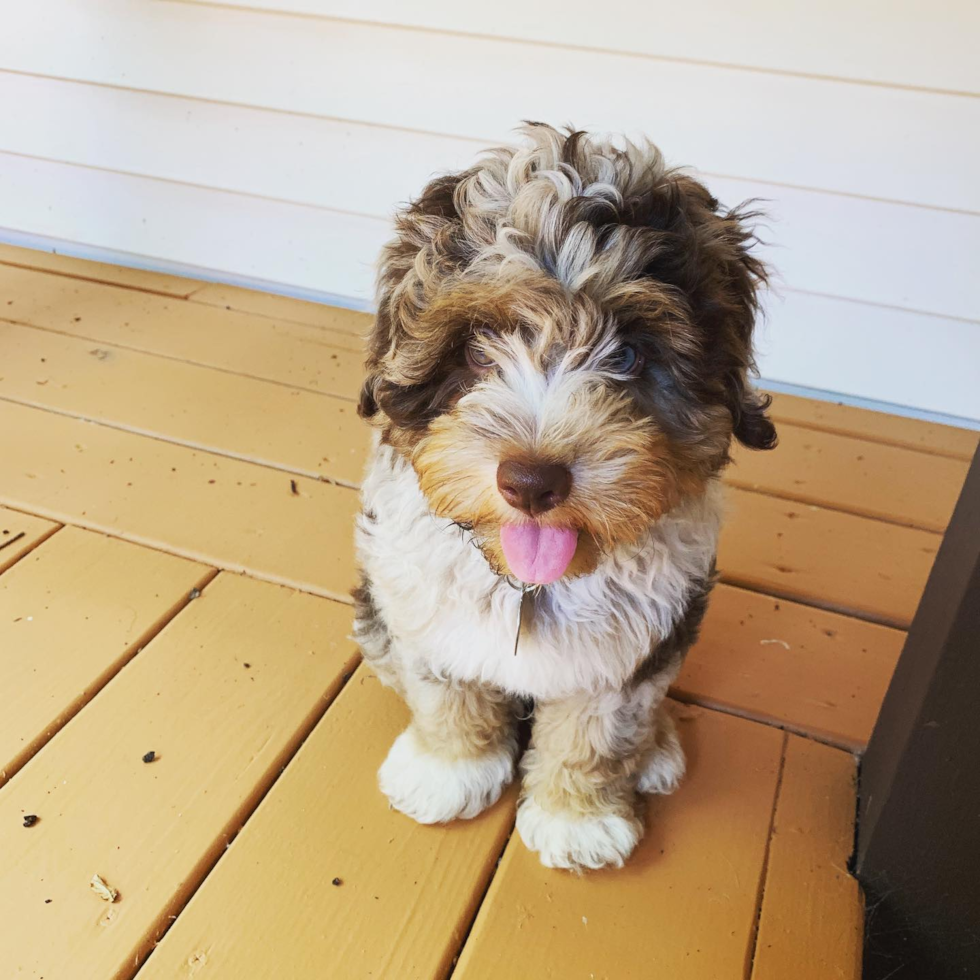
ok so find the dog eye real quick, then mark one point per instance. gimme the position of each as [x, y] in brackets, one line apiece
[477, 359]
[626, 360]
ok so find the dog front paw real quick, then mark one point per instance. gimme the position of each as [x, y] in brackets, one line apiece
[664, 768]
[577, 842]
[431, 789]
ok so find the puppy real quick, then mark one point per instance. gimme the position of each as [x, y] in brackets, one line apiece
[556, 372]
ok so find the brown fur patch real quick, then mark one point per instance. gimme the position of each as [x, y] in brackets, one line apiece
[543, 257]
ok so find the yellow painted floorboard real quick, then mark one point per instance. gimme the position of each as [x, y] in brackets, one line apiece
[406, 892]
[684, 906]
[291, 353]
[890, 483]
[223, 696]
[840, 561]
[19, 534]
[896, 430]
[811, 926]
[283, 308]
[225, 413]
[117, 275]
[788, 664]
[224, 512]
[72, 613]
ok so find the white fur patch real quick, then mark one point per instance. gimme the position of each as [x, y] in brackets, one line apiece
[564, 841]
[433, 790]
[447, 610]
[664, 768]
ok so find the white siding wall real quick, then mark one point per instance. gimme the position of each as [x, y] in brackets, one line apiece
[270, 140]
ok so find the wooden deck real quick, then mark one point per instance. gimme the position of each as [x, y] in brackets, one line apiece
[165, 586]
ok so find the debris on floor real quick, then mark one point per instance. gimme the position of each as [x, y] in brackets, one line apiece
[106, 892]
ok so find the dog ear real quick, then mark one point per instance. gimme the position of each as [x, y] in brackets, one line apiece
[728, 277]
[400, 291]
[752, 425]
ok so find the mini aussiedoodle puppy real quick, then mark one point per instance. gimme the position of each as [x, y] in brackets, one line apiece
[557, 370]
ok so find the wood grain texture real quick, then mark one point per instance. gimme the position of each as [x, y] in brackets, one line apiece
[224, 512]
[407, 892]
[886, 482]
[840, 561]
[72, 613]
[685, 904]
[293, 354]
[19, 534]
[287, 309]
[116, 275]
[791, 665]
[812, 919]
[220, 731]
[891, 430]
[250, 419]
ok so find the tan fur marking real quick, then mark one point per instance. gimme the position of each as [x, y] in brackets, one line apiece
[459, 720]
[587, 753]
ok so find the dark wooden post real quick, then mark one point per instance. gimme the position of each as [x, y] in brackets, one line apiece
[918, 842]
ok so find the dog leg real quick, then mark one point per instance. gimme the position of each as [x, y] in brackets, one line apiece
[664, 765]
[456, 756]
[587, 756]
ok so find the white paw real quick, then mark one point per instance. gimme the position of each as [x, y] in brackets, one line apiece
[664, 768]
[565, 841]
[433, 790]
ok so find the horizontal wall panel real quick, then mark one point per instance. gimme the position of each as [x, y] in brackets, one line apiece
[875, 352]
[914, 43]
[876, 251]
[220, 232]
[812, 132]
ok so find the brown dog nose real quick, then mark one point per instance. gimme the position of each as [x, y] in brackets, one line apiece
[533, 487]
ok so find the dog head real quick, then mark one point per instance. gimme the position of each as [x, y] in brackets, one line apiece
[562, 344]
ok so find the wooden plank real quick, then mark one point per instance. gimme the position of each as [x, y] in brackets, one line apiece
[892, 430]
[330, 68]
[340, 166]
[221, 732]
[117, 275]
[791, 665]
[221, 511]
[72, 614]
[826, 558]
[887, 482]
[407, 892]
[683, 907]
[812, 920]
[20, 534]
[759, 35]
[238, 416]
[286, 308]
[299, 355]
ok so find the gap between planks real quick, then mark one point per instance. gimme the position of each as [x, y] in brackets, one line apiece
[764, 876]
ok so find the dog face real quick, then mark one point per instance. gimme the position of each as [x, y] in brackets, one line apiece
[563, 338]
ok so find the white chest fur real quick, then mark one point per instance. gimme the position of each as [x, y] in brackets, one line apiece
[446, 608]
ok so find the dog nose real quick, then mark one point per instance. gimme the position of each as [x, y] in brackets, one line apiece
[533, 487]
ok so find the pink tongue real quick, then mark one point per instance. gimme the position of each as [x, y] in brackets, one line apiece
[538, 555]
